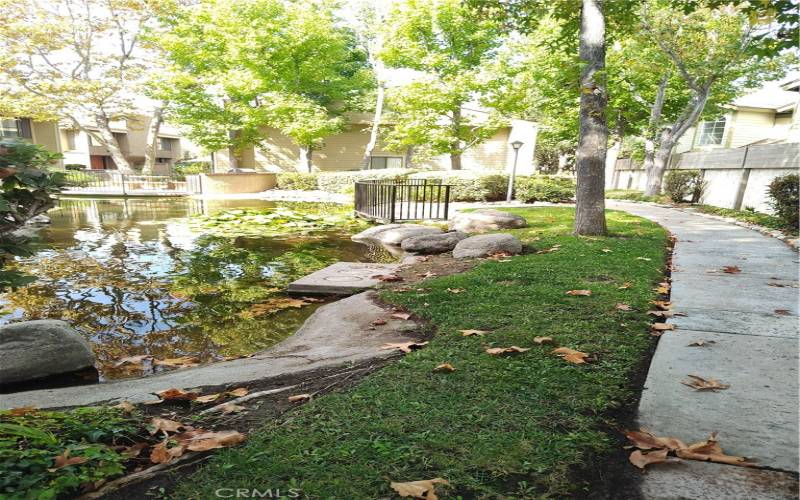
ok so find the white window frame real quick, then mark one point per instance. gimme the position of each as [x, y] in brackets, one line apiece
[386, 158]
[703, 135]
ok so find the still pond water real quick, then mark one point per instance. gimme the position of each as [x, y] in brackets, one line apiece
[136, 278]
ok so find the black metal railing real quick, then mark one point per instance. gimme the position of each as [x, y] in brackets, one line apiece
[112, 182]
[408, 199]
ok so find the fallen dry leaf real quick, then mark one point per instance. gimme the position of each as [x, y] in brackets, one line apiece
[571, 355]
[405, 346]
[418, 489]
[231, 408]
[131, 360]
[456, 290]
[661, 290]
[297, 398]
[543, 340]
[208, 398]
[782, 312]
[181, 362]
[701, 384]
[662, 326]
[625, 285]
[501, 256]
[64, 460]
[160, 454]
[641, 459]
[387, 277]
[701, 343]
[469, 333]
[378, 322]
[622, 307]
[445, 368]
[22, 411]
[664, 305]
[401, 315]
[427, 275]
[605, 250]
[711, 451]
[731, 269]
[645, 440]
[238, 392]
[125, 406]
[135, 449]
[275, 304]
[644, 258]
[661, 314]
[579, 292]
[177, 394]
[497, 351]
[165, 425]
[214, 440]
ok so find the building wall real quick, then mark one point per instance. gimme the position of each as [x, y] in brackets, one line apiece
[750, 126]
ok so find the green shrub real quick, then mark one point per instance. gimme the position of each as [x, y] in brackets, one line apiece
[470, 186]
[74, 166]
[784, 194]
[297, 181]
[631, 195]
[544, 188]
[343, 182]
[196, 167]
[29, 443]
[680, 184]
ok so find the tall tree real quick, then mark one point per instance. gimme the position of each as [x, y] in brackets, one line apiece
[715, 53]
[450, 45]
[242, 66]
[78, 61]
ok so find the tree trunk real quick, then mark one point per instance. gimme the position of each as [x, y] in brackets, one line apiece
[408, 159]
[562, 163]
[306, 159]
[455, 146]
[590, 155]
[110, 142]
[659, 160]
[376, 124]
[151, 141]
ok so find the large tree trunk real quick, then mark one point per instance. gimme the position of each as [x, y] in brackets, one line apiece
[306, 160]
[376, 124]
[151, 141]
[408, 159]
[455, 147]
[110, 142]
[590, 216]
[659, 161]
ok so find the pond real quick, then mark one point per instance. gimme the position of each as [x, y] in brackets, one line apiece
[156, 284]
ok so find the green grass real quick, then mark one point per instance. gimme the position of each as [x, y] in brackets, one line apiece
[761, 219]
[634, 195]
[526, 426]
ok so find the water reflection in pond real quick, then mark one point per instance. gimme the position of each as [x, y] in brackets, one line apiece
[134, 278]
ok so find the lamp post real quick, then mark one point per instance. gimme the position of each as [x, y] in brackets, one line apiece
[510, 193]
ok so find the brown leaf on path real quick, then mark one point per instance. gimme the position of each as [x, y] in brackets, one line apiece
[782, 312]
[238, 392]
[387, 277]
[469, 333]
[711, 451]
[731, 269]
[661, 314]
[662, 326]
[645, 440]
[571, 355]
[701, 343]
[444, 368]
[160, 454]
[64, 460]
[378, 322]
[207, 398]
[641, 459]
[297, 398]
[579, 292]
[543, 340]
[664, 305]
[497, 351]
[23, 410]
[418, 489]
[135, 449]
[214, 440]
[125, 406]
[177, 394]
[622, 307]
[401, 315]
[702, 384]
[183, 361]
[661, 290]
[165, 425]
[406, 347]
[231, 408]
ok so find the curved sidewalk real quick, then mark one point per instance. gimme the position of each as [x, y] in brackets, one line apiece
[752, 318]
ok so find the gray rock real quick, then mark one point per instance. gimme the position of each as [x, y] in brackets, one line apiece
[32, 350]
[433, 243]
[39, 220]
[394, 234]
[485, 245]
[481, 221]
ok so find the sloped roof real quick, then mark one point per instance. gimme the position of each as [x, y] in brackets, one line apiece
[771, 96]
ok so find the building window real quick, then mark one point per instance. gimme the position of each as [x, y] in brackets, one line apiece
[381, 162]
[16, 127]
[164, 144]
[711, 132]
[69, 139]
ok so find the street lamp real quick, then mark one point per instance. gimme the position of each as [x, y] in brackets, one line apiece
[510, 192]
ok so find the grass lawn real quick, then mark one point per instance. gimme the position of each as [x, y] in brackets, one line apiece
[528, 425]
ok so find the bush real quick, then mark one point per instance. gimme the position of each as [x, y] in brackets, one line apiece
[196, 167]
[679, 184]
[470, 186]
[784, 194]
[343, 182]
[632, 195]
[544, 188]
[297, 181]
[74, 166]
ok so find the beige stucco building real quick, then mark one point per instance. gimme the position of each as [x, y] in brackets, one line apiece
[345, 151]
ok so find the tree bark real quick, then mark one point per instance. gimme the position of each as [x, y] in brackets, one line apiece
[376, 124]
[110, 142]
[455, 147]
[659, 159]
[593, 134]
[306, 160]
[151, 141]
[408, 159]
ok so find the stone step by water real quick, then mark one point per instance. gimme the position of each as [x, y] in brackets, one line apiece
[342, 278]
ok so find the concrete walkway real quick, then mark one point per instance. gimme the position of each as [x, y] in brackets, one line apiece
[752, 318]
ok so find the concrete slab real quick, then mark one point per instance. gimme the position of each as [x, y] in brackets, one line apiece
[342, 278]
[736, 322]
[337, 333]
[706, 481]
[735, 293]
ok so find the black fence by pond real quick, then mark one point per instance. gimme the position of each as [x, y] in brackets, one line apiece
[112, 182]
[408, 199]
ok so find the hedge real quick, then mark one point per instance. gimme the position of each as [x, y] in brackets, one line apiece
[470, 186]
[547, 188]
